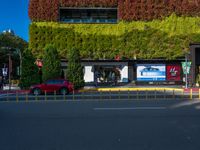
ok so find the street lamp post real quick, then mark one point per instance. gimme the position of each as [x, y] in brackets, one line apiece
[186, 78]
[20, 59]
[9, 70]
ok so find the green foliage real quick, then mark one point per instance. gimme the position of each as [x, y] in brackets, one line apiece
[88, 3]
[156, 9]
[43, 10]
[10, 40]
[129, 10]
[15, 44]
[144, 40]
[29, 72]
[74, 68]
[51, 63]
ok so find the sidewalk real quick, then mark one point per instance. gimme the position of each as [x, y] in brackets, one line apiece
[131, 87]
[104, 88]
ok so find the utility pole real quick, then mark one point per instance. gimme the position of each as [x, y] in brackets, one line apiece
[10, 69]
[186, 78]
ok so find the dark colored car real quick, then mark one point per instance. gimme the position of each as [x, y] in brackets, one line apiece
[60, 86]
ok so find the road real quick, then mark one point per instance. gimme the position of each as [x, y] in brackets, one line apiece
[100, 125]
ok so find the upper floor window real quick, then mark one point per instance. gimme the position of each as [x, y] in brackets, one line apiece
[88, 15]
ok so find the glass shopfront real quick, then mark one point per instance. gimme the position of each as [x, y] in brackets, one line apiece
[107, 74]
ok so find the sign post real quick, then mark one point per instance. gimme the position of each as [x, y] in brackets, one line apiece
[186, 70]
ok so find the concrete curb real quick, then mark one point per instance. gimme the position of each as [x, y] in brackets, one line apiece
[130, 89]
[139, 89]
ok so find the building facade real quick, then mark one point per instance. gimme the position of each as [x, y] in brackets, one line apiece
[125, 40]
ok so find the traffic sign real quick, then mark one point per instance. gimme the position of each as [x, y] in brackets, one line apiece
[186, 67]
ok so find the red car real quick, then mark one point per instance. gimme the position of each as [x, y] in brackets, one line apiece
[61, 86]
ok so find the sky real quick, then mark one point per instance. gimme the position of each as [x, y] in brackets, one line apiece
[14, 15]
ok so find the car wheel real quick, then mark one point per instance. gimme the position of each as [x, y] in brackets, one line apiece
[64, 91]
[36, 91]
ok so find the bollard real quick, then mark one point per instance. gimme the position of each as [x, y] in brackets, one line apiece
[54, 95]
[7, 97]
[64, 97]
[173, 94]
[199, 93]
[164, 93]
[191, 93]
[182, 93]
[73, 95]
[45, 95]
[17, 98]
[146, 95]
[128, 94]
[110, 94]
[36, 97]
[26, 97]
[137, 95]
[155, 96]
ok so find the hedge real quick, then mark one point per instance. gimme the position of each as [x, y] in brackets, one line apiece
[128, 10]
[43, 10]
[156, 9]
[88, 3]
[145, 40]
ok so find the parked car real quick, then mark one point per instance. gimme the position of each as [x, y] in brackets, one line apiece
[60, 86]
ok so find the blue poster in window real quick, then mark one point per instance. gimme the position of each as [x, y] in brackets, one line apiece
[151, 72]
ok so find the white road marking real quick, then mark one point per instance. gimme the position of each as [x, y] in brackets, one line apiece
[132, 108]
[186, 103]
[197, 107]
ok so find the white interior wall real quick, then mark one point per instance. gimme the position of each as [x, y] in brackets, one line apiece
[88, 74]
[124, 74]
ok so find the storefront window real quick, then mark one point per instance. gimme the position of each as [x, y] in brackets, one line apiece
[107, 74]
[88, 15]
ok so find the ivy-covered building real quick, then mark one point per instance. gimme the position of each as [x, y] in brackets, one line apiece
[118, 35]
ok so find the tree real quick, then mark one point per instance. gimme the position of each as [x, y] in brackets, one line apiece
[74, 68]
[51, 63]
[14, 43]
[29, 72]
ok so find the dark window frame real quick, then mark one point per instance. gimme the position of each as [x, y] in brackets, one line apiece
[88, 15]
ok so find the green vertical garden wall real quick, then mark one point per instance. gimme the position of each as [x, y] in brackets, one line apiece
[146, 29]
[165, 38]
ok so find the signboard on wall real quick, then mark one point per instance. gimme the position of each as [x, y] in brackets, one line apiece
[151, 72]
[173, 72]
[186, 67]
[5, 71]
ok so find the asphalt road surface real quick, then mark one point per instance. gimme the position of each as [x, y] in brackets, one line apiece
[100, 125]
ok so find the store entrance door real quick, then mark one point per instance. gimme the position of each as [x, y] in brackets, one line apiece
[107, 74]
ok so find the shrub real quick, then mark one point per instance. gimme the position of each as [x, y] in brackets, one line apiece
[74, 68]
[29, 72]
[51, 63]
